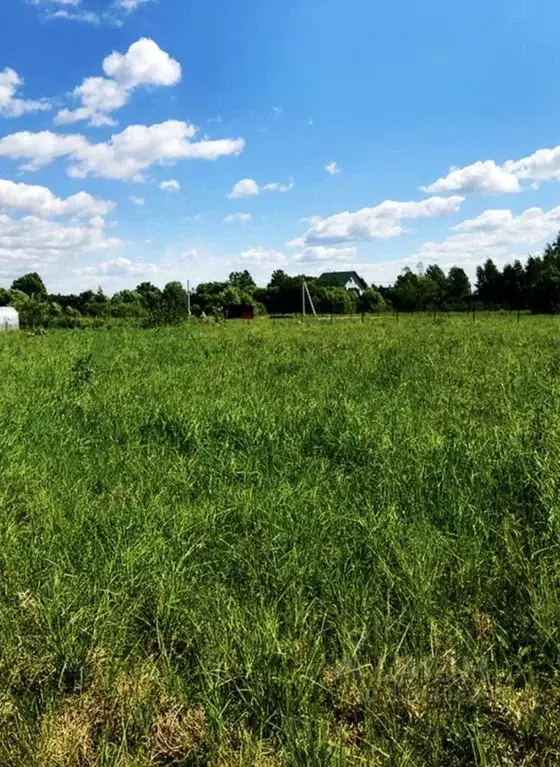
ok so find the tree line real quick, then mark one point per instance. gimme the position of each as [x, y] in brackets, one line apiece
[533, 286]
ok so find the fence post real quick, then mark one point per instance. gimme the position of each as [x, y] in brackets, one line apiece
[518, 313]
[363, 316]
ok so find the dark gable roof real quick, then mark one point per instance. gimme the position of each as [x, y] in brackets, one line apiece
[341, 278]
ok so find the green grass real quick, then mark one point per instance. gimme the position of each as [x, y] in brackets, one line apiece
[281, 544]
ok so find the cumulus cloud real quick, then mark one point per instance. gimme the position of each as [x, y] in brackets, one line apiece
[12, 105]
[483, 177]
[248, 187]
[490, 178]
[497, 234]
[332, 168]
[118, 267]
[37, 239]
[380, 222]
[41, 148]
[144, 64]
[124, 156]
[264, 257]
[137, 200]
[542, 165]
[170, 186]
[40, 201]
[319, 253]
[237, 218]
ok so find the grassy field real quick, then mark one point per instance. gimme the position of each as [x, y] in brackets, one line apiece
[281, 544]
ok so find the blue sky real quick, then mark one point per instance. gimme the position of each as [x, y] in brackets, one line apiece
[182, 139]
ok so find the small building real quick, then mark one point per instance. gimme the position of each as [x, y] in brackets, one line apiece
[239, 312]
[348, 280]
[9, 318]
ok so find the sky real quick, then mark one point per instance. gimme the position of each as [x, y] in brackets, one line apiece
[184, 139]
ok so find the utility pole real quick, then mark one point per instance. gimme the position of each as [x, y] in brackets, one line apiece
[309, 297]
[303, 298]
[189, 297]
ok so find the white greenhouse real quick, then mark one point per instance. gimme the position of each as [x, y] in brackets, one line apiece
[9, 318]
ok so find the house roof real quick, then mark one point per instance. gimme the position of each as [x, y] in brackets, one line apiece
[341, 278]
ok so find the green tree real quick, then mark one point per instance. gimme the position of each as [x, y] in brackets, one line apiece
[150, 294]
[489, 284]
[30, 284]
[513, 285]
[175, 302]
[458, 286]
[242, 280]
[371, 300]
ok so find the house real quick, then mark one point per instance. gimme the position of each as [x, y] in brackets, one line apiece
[348, 280]
[239, 312]
[9, 318]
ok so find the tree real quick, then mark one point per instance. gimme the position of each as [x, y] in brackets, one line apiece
[242, 280]
[513, 285]
[489, 284]
[371, 300]
[458, 286]
[150, 294]
[175, 302]
[405, 294]
[5, 297]
[30, 284]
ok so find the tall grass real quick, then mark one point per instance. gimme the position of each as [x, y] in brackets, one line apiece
[281, 545]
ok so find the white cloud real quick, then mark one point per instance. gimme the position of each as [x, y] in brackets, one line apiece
[144, 64]
[487, 177]
[137, 200]
[170, 186]
[247, 187]
[319, 253]
[380, 222]
[542, 165]
[332, 168]
[490, 219]
[10, 104]
[86, 17]
[497, 234]
[297, 242]
[42, 202]
[262, 261]
[277, 186]
[124, 156]
[32, 238]
[131, 5]
[56, 2]
[40, 148]
[264, 257]
[277, 111]
[113, 14]
[483, 177]
[118, 267]
[239, 218]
